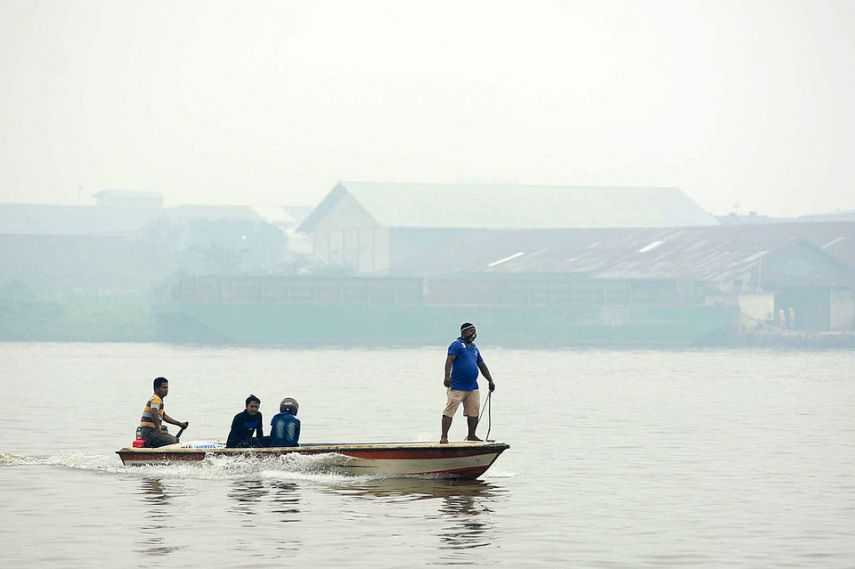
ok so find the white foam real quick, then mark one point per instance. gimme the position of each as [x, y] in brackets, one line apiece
[7, 458]
[69, 458]
[287, 467]
[324, 468]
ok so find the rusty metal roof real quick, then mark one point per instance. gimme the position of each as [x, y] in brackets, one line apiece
[704, 254]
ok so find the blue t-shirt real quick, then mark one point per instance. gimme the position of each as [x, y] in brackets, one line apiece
[284, 430]
[464, 370]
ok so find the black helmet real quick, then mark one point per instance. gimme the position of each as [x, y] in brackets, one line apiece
[290, 405]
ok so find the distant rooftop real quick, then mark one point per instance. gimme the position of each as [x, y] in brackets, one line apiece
[836, 216]
[754, 218]
[470, 206]
[127, 194]
[39, 219]
[702, 253]
[124, 198]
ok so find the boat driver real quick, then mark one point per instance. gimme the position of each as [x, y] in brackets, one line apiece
[152, 429]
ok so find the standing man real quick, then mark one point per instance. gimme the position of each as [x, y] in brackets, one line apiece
[152, 429]
[461, 378]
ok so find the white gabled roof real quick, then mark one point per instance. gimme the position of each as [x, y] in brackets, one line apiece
[476, 206]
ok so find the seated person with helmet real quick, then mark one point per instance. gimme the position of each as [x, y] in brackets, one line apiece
[245, 424]
[285, 427]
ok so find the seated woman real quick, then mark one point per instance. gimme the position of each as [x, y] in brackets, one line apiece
[285, 427]
[245, 424]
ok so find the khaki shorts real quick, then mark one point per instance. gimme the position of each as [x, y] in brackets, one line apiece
[471, 403]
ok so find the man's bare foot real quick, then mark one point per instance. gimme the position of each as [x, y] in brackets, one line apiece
[443, 441]
[473, 438]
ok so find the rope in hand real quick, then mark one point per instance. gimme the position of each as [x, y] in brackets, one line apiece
[489, 411]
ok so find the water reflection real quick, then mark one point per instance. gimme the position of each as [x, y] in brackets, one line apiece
[286, 501]
[247, 495]
[155, 518]
[468, 521]
[420, 489]
[465, 508]
[254, 497]
[256, 501]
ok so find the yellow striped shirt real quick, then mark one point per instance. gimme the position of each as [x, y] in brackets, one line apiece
[154, 405]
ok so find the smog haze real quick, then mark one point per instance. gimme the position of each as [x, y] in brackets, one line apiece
[742, 105]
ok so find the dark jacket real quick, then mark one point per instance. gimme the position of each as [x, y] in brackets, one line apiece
[243, 427]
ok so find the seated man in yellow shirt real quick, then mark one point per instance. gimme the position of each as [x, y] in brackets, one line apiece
[152, 429]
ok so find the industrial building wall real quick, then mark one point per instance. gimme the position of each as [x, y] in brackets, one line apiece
[347, 236]
[810, 304]
[476, 289]
[842, 305]
[755, 308]
[291, 290]
[802, 264]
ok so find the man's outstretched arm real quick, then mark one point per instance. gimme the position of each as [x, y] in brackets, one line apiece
[172, 421]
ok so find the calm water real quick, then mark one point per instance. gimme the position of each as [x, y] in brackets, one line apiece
[617, 459]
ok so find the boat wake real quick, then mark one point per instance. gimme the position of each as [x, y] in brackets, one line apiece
[7, 458]
[320, 467]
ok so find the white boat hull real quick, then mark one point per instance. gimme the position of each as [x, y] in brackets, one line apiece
[454, 460]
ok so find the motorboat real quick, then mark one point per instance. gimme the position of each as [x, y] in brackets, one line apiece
[465, 459]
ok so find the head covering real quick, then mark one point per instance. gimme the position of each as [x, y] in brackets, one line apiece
[289, 404]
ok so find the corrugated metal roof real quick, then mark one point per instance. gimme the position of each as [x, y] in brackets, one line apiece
[400, 205]
[702, 254]
[681, 255]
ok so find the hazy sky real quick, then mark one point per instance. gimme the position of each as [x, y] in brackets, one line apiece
[743, 102]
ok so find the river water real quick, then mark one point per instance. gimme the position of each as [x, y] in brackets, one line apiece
[737, 458]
